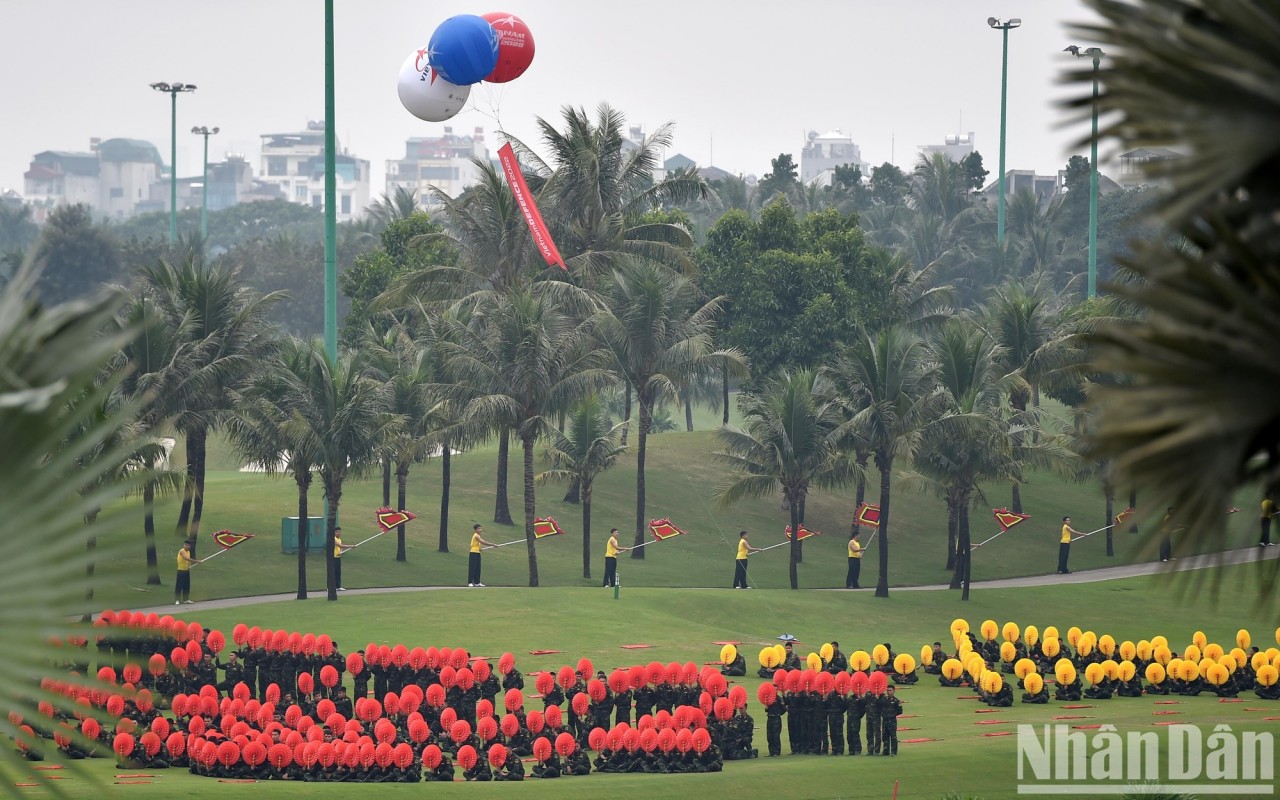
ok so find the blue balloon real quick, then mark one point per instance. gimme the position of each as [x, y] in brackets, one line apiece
[464, 49]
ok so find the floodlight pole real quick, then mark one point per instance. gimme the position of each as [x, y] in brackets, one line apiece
[204, 187]
[172, 89]
[1003, 27]
[330, 196]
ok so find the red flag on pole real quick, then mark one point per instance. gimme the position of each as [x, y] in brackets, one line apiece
[524, 199]
[663, 529]
[389, 518]
[805, 533]
[1006, 519]
[227, 540]
[867, 514]
[545, 527]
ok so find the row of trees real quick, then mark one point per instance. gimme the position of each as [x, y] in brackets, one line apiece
[458, 334]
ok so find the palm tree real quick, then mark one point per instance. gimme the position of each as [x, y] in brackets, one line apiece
[1025, 324]
[885, 387]
[404, 363]
[597, 187]
[789, 440]
[518, 363]
[258, 426]
[660, 333]
[495, 255]
[939, 187]
[1211, 307]
[401, 204]
[49, 388]
[157, 372]
[229, 332]
[338, 414]
[586, 448]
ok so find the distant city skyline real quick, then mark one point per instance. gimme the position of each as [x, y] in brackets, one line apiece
[740, 82]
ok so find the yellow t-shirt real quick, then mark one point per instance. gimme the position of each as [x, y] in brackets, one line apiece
[611, 547]
[1066, 534]
[742, 550]
[1268, 509]
[337, 547]
[184, 560]
[855, 549]
[475, 543]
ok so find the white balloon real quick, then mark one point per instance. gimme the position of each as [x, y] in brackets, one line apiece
[427, 95]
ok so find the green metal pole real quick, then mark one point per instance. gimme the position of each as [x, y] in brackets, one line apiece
[1093, 189]
[330, 196]
[204, 193]
[173, 167]
[1004, 97]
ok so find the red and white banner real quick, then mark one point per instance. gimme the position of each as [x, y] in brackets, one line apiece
[524, 199]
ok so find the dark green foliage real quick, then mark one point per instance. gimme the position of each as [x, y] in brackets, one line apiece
[75, 256]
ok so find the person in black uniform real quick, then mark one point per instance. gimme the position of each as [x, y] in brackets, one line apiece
[835, 708]
[874, 726]
[856, 706]
[890, 708]
[735, 668]
[773, 724]
[838, 662]
[791, 660]
[342, 704]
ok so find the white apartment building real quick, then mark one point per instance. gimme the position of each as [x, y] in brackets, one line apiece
[955, 147]
[824, 152]
[295, 163]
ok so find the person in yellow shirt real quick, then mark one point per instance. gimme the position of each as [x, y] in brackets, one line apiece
[1064, 545]
[611, 550]
[1268, 511]
[855, 562]
[473, 558]
[740, 566]
[338, 549]
[182, 585]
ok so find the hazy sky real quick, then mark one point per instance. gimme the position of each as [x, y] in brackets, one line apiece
[743, 81]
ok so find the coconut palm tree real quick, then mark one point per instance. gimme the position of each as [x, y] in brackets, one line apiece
[884, 385]
[404, 362]
[587, 447]
[229, 332]
[939, 187]
[974, 441]
[660, 332]
[158, 370]
[790, 440]
[1026, 324]
[258, 427]
[50, 389]
[597, 186]
[401, 204]
[518, 362]
[1212, 308]
[339, 415]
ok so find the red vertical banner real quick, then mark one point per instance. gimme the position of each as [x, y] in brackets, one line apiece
[520, 191]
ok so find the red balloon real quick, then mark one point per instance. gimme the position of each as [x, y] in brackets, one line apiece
[515, 47]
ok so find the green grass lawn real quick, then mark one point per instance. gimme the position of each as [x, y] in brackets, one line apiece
[683, 624]
[682, 478]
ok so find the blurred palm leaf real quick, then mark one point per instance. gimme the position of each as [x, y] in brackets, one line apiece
[1200, 417]
[65, 451]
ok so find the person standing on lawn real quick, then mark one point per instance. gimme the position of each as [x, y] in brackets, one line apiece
[611, 550]
[740, 565]
[1064, 545]
[182, 585]
[473, 558]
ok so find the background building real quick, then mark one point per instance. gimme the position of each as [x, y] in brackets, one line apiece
[443, 162]
[294, 162]
[955, 147]
[824, 152]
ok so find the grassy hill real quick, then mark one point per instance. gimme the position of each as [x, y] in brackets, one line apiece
[682, 479]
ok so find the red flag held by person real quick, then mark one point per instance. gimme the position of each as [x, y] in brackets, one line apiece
[663, 529]
[389, 518]
[546, 527]
[867, 514]
[805, 533]
[227, 540]
[1006, 519]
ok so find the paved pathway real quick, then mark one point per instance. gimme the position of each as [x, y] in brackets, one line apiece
[1229, 557]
